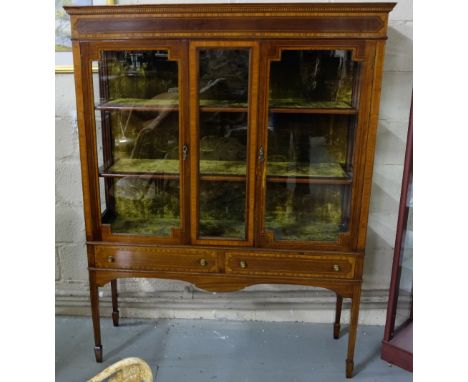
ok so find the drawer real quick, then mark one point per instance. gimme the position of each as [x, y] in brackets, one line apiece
[154, 259]
[291, 265]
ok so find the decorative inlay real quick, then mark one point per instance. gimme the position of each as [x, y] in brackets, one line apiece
[343, 260]
[180, 26]
[186, 255]
[230, 9]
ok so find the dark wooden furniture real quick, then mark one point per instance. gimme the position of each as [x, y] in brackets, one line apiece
[397, 345]
[228, 145]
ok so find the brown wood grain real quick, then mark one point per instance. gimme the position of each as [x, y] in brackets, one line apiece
[300, 265]
[225, 264]
[149, 258]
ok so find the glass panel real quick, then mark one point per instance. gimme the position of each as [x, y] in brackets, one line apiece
[405, 292]
[298, 211]
[310, 150]
[137, 119]
[223, 132]
[222, 209]
[140, 79]
[144, 206]
[312, 79]
[224, 77]
[310, 145]
[223, 143]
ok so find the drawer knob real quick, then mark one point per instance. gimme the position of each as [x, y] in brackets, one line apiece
[203, 262]
[243, 264]
[336, 268]
[110, 259]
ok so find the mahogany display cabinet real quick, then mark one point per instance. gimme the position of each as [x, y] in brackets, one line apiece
[228, 145]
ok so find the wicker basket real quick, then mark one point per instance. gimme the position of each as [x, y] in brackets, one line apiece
[127, 370]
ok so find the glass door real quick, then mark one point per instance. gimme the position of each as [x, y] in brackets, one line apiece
[223, 117]
[136, 96]
[309, 145]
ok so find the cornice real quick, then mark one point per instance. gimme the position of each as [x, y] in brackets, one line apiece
[228, 9]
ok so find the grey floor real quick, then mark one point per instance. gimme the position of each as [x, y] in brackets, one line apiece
[222, 351]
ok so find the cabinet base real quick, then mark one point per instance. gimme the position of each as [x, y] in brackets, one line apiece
[230, 282]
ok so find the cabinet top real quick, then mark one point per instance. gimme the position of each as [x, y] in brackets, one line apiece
[293, 20]
[259, 9]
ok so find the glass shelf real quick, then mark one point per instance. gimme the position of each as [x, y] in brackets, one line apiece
[232, 229]
[213, 105]
[319, 231]
[142, 226]
[304, 104]
[139, 104]
[306, 212]
[169, 101]
[143, 166]
[229, 170]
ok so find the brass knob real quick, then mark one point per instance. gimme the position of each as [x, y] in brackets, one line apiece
[336, 268]
[203, 262]
[243, 264]
[110, 259]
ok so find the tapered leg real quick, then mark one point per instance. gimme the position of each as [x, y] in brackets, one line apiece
[94, 290]
[115, 305]
[336, 325]
[353, 331]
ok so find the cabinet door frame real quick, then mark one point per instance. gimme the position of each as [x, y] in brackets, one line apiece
[363, 52]
[85, 53]
[194, 47]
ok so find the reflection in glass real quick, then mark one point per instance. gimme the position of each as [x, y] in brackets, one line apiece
[144, 206]
[138, 103]
[144, 78]
[223, 143]
[296, 211]
[303, 148]
[146, 142]
[309, 145]
[223, 134]
[309, 163]
[224, 77]
[312, 79]
[222, 209]
[405, 292]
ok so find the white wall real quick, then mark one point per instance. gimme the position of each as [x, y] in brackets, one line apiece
[160, 298]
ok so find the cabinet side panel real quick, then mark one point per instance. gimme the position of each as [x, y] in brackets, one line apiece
[371, 140]
[87, 141]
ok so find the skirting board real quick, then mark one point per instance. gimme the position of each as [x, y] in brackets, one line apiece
[303, 306]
